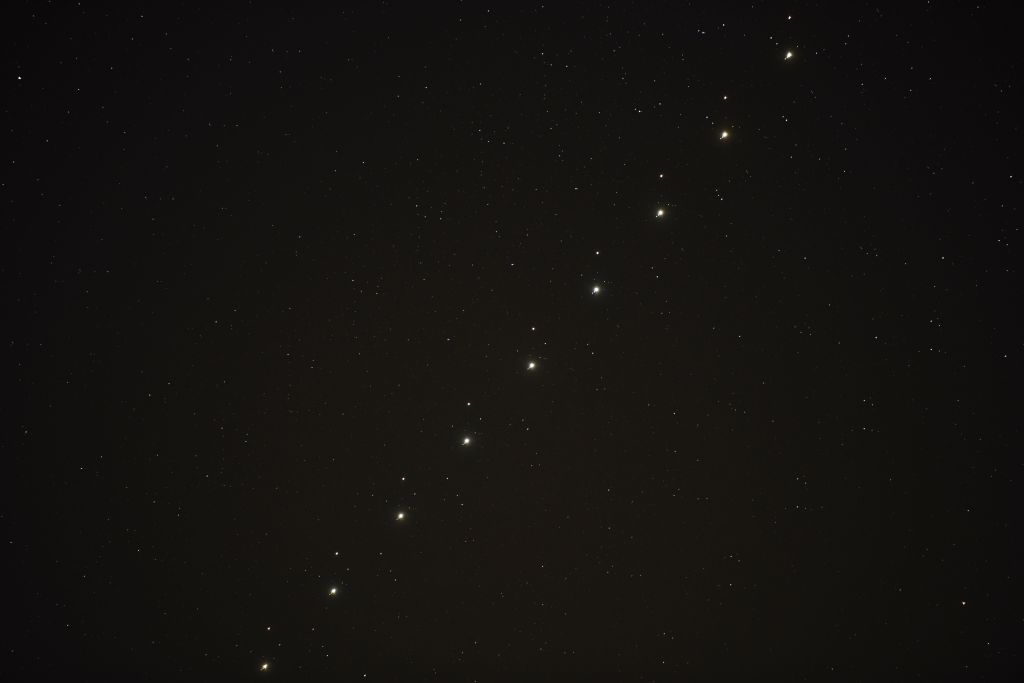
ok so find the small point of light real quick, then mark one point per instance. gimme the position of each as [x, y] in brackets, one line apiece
[789, 18]
[531, 365]
[596, 290]
[661, 175]
[264, 666]
[963, 603]
[336, 552]
[789, 55]
[659, 213]
[400, 516]
[597, 253]
[268, 628]
[468, 404]
[466, 441]
[725, 134]
[333, 591]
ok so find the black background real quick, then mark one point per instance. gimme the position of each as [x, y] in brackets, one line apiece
[265, 268]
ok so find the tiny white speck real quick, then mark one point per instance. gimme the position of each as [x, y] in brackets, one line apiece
[789, 55]
[333, 591]
[466, 441]
[531, 365]
[725, 134]
[659, 213]
[596, 290]
[400, 516]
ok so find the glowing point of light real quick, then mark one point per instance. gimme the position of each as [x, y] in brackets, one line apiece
[596, 290]
[465, 441]
[659, 213]
[264, 666]
[725, 134]
[789, 55]
[400, 516]
[333, 591]
[531, 365]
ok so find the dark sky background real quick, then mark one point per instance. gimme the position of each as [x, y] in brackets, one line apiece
[264, 270]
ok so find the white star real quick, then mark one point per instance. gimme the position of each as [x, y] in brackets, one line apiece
[400, 516]
[596, 290]
[531, 365]
[333, 591]
[789, 55]
[465, 441]
[725, 134]
[659, 213]
[264, 666]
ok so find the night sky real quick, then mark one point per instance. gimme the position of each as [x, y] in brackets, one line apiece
[455, 342]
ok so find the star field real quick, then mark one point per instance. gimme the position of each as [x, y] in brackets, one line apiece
[516, 342]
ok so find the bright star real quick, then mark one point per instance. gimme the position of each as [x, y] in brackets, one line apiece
[725, 134]
[264, 666]
[333, 591]
[531, 365]
[789, 55]
[596, 290]
[400, 516]
[659, 213]
[465, 441]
